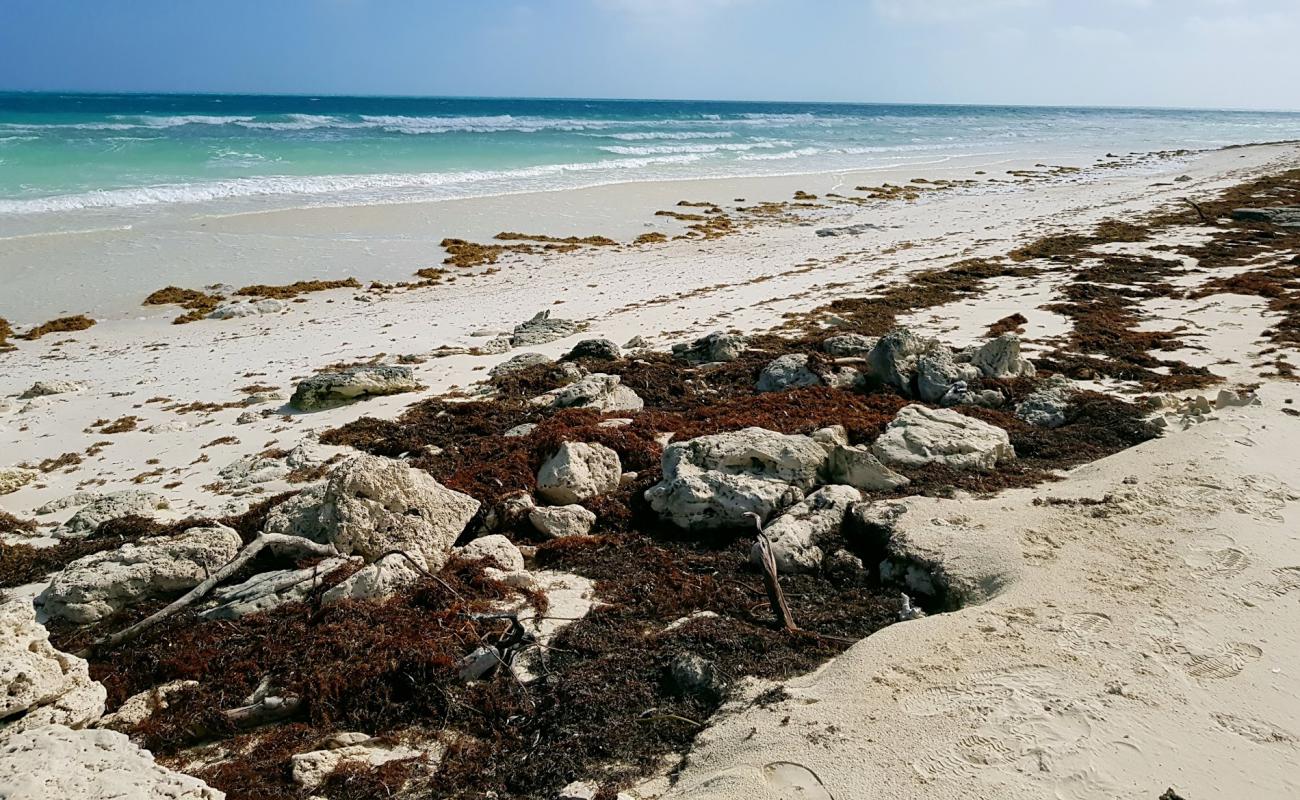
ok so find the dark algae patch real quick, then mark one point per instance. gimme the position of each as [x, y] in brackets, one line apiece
[79, 322]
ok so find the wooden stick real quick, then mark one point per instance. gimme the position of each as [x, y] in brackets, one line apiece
[772, 581]
[269, 709]
[250, 551]
[1199, 212]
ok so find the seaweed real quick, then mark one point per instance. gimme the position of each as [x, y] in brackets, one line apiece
[79, 322]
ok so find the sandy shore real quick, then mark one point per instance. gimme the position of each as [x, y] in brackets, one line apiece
[1116, 649]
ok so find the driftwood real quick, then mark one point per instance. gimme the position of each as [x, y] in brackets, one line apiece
[250, 551]
[267, 710]
[772, 581]
[1199, 211]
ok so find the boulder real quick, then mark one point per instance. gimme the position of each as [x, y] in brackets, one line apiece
[42, 685]
[236, 310]
[636, 343]
[1281, 216]
[918, 436]
[268, 590]
[377, 581]
[543, 328]
[1046, 406]
[97, 585]
[54, 761]
[373, 505]
[937, 371]
[558, 521]
[799, 534]
[1000, 358]
[787, 372]
[893, 359]
[139, 707]
[311, 769]
[509, 512]
[14, 478]
[714, 481]
[519, 363]
[252, 470]
[332, 389]
[522, 429]
[960, 394]
[600, 349]
[496, 549]
[579, 471]
[598, 390]
[113, 505]
[831, 437]
[849, 345]
[858, 467]
[695, 675]
[299, 515]
[717, 346]
[47, 388]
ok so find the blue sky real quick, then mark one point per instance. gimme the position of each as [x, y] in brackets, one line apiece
[1206, 53]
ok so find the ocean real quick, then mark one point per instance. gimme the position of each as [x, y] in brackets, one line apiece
[71, 152]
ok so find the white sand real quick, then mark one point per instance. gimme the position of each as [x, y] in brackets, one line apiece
[1149, 647]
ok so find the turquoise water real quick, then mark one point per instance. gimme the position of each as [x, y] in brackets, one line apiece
[68, 152]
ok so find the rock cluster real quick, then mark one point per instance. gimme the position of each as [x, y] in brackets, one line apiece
[542, 328]
[716, 346]
[597, 391]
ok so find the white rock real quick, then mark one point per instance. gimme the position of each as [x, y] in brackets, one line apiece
[522, 429]
[311, 769]
[1000, 358]
[849, 345]
[579, 471]
[918, 436]
[787, 372]
[299, 515]
[95, 586]
[139, 707]
[519, 363]
[543, 328]
[47, 388]
[799, 534]
[597, 390]
[67, 501]
[497, 549]
[252, 470]
[113, 505]
[377, 581]
[715, 347]
[858, 467]
[714, 481]
[57, 763]
[831, 437]
[1047, 405]
[14, 478]
[42, 685]
[331, 389]
[373, 505]
[560, 521]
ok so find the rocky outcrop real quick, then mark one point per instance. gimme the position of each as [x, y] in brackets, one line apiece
[519, 363]
[1047, 406]
[55, 761]
[579, 471]
[14, 478]
[377, 581]
[332, 389]
[299, 515]
[787, 372]
[253, 309]
[858, 467]
[497, 550]
[373, 505]
[268, 590]
[94, 586]
[850, 345]
[918, 436]
[1281, 216]
[52, 387]
[936, 371]
[559, 521]
[716, 346]
[798, 535]
[311, 769]
[598, 391]
[599, 349]
[543, 328]
[42, 686]
[114, 505]
[1000, 358]
[714, 481]
[139, 707]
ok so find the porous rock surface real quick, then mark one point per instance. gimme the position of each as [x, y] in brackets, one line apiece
[918, 436]
[797, 535]
[42, 685]
[579, 471]
[330, 389]
[597, 390]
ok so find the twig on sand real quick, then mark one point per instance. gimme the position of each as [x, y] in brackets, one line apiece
[250, 551]
[1199, 211]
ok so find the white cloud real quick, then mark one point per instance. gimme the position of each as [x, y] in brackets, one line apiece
[947, 10]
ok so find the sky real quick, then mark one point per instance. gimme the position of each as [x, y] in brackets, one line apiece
[1182, 53]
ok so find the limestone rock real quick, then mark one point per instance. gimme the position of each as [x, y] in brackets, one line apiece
[311, 769]
[694, 674]
[332, 389]
[52, 387]
[14, 478]
[1047, 405]
[139, 707]
[377, 581]
[42, 685]
[497, 549]
[918, 436]
[579, 471]
[850, 345]
[799, 534]
[509, 512]
[893, 359]
[714, 481]
[543, 328]
[787, 372]
[113, 505]
[522, 429]
[559, 521]
[373, 505]
[858, 467]
[831, 437]
[1281, 216]
[936, 371]
[268, 590]
[716, 346]
[236, 310]
[598, 390]
[94, 586]
[518, 363]
[1000, 358]
[600, 349]
[299, 515]
[55, 761]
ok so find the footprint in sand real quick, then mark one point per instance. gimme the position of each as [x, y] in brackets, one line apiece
[1226, 561]
[1284, 581]
[1082, 631]
[791, 781]
[1256, 730]
[1227, 662]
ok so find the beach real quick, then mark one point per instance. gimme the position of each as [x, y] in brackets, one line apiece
[1120, 625]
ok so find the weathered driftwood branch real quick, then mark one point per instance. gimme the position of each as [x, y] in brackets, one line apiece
[266, 710]
[1199, 211]
[241, 559]
[772, 581]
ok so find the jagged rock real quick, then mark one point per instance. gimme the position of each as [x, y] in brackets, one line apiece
[598, 390]
[311, 769]
[846, 378]
[139, 707]
[858, 467]
[247, 418]
[252, 470]
[601, 349]
[67, 501]
[579, 790]
[1000, 358]
[94, 586]
[261, 398]
[332, 389]
[14, 478]
[55, 761]
[787, 372]
[377, 581]
[299, 515]
[1047, 405]
[1281, 216]
[893, 359]
[850, 345]
[636, 343]
[494, 346]
[268, 590]
[237, 310]
[831, 437]
[497, 549]
[519, 363]
[717, 346]
[543, 328]
[694, 674]
[960, 394]
[847, 230]
[523, 429]
[1228, 398]
[579, 471]
[797, 535]
[559, 521]
[42, 685]
[918, 436]
[373, 505]
[47, 388]
[937, 371]
[714, 481]
[509, 512]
